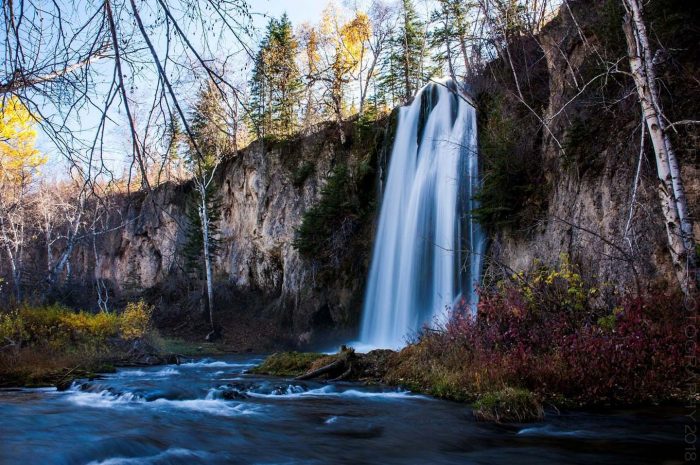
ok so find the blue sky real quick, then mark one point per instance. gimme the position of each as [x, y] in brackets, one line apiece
[299, 11]
[117, 144]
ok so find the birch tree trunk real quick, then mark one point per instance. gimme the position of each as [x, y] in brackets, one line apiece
[204, 218]
[72, 236]
[679, 226]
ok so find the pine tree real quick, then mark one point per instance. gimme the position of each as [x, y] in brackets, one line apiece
[276, 85]
[259, 115]
[402, 72]
[448, 39]
[210, 126]
[287, 86]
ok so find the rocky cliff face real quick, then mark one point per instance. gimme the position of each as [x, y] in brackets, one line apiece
[264, 192]
[589, 155]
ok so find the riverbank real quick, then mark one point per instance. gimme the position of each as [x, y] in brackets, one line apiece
[31, 367]
[378, 367]
[532, 346]
[212, 410]
[414, 369]
[52, 345]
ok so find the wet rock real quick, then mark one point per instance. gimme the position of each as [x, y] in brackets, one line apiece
[234, 394]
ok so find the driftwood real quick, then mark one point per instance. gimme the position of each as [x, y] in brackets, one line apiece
[15, 345]
[346, 374]
[334, 366]
[343, 365]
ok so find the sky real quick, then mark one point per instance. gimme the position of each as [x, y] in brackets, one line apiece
[117, 141]
[117, 146]
[299, 11]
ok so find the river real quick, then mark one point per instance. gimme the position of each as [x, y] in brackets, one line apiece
[211, 412]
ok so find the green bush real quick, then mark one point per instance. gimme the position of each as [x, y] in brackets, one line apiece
[322, 221]
[302, 173]
[513, 191]
[509, 405]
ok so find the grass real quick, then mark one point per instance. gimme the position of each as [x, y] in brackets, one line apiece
[52, 345]
[288, 363]
[503, 405]
[37, 368]
[191, 349]
[509, 405]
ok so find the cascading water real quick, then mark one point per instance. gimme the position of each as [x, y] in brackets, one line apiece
[428, 249]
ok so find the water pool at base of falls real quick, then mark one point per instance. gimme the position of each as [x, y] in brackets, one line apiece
[211, 412]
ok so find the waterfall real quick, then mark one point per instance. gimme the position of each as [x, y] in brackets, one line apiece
[428, 250]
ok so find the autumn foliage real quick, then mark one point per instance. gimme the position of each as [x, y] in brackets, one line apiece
[19, 158]
[541, 332]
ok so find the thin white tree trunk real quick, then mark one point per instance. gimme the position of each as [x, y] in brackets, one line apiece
[678, 190]
[68, 250]
[204, 218]
[671, 192]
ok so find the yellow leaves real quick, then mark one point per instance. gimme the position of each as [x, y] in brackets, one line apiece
[135, 322]
[348, 39]
[562, 283]
[353, 35]
[352, 39]
[19, 158]
[310, 40]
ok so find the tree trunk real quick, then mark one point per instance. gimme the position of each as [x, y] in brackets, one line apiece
[671, 192]
[204, 217]
[407, 59]
[63, 260]
[16, 275]
[463, 46]
[453, 76]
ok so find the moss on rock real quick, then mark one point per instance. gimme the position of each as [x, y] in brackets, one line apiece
[509, 405]
[287, 363]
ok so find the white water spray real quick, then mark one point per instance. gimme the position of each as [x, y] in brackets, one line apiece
[428, 249]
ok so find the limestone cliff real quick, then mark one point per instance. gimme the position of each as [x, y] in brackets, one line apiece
[264, 192]
[587, 158]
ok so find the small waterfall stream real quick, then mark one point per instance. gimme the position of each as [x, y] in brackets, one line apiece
[428, 249]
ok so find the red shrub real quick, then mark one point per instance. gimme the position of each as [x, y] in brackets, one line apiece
[634, 353]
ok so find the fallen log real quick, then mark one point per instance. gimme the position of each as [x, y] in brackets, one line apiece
[334, 366]
[345, 375]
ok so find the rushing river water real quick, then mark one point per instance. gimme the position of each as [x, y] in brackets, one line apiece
[211, 412]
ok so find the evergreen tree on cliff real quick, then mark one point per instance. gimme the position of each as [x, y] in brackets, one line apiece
[448, 38]
[276, 86]
[403, 72]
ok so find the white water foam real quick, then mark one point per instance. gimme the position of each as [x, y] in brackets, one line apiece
[294, 392]
[153, 459]
[208, 363]
[108, 399]
[548, 430]
[167, 371]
